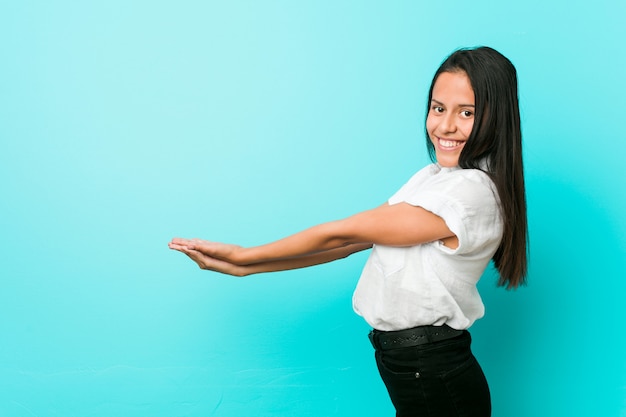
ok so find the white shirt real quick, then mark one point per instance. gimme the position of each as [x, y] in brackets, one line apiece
[404, 287]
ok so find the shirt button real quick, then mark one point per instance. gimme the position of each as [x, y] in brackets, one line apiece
[417, 375]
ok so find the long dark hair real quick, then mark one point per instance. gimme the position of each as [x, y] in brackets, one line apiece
[496, 139]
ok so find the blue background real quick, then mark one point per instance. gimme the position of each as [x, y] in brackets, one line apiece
[125, 123]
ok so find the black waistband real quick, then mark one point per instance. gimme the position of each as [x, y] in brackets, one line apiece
[411, 337]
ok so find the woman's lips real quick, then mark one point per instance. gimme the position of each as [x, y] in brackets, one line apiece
[449, 144]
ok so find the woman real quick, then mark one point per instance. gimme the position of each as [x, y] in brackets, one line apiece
[431, 241]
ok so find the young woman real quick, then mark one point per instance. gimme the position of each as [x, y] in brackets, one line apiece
[431, 241]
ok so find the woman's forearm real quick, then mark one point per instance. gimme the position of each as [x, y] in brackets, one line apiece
[303, 261]
[318, 239]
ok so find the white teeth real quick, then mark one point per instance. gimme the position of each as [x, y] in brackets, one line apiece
[448, 143]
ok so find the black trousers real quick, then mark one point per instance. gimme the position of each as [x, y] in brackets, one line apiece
[439, 379]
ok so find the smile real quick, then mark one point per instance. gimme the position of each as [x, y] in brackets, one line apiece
[449, 144]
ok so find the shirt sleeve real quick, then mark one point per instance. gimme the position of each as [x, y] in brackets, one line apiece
[465, 199]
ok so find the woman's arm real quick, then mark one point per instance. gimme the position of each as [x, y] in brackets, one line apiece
[212, 264]
[392, 225]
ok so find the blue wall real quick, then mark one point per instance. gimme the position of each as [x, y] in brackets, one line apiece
[123, 124]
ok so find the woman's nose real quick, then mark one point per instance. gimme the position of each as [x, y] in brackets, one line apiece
[448, 123]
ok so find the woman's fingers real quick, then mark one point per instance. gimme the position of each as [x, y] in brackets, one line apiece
[203, 260]
[182, 242]
[177, 246]
[198, 244]
[212, 264]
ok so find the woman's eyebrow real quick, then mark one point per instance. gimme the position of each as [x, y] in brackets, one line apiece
[460, 105]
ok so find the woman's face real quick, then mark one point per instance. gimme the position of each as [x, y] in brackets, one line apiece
[451, 116]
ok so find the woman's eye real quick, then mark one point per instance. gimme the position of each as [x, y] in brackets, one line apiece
[467, 113]
[437, 109]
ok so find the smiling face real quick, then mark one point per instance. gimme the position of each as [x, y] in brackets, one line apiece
[451, 116]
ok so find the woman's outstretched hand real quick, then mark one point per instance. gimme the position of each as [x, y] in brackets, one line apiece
[211, 256]
[223, 251]
[231, 259]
